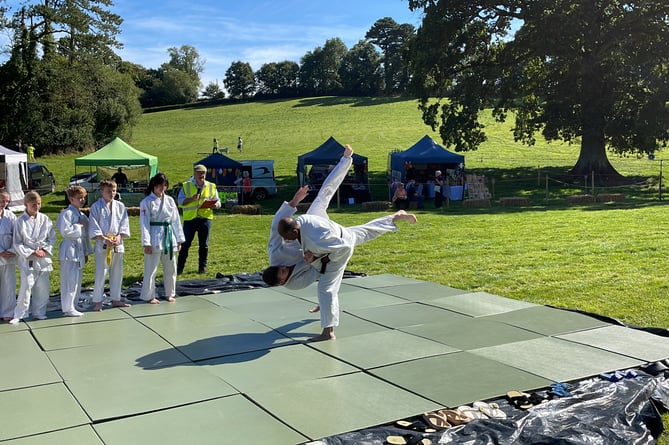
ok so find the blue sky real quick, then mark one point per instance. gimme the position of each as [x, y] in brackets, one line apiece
[253, 31]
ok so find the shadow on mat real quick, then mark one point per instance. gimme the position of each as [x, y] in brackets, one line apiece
[232, 348]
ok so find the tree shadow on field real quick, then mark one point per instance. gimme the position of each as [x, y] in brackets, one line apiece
[347, 100]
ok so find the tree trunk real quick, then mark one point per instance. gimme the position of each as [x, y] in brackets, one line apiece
[593, 158]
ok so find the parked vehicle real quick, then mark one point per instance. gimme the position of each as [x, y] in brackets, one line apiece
[40, 179]
[88, 180]
[262, 178]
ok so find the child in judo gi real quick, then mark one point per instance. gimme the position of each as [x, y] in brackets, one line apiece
[34, 241]
[7, 259]
[108, 226]
[73, 250]
[162, 236]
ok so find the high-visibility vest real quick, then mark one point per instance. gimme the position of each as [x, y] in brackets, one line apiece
[192, 210]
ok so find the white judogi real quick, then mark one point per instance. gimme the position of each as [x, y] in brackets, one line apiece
[7, 265]
[31, 234]
[321, 236]
[108, 219]
[164, 239]
[287, 253]
[72, 253]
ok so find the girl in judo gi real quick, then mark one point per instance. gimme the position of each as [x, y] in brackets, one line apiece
[34, 241]
[7, 259]
[109, 226]
[161, 236]
[73, 250]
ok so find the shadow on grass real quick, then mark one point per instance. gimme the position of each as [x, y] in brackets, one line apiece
[346, 100]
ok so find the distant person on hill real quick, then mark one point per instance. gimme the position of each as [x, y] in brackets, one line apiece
[215, 148]
[31, 152]
[240, 144]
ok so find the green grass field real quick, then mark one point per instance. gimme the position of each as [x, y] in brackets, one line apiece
[604, 258]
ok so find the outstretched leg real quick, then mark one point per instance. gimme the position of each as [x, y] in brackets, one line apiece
[331, 184]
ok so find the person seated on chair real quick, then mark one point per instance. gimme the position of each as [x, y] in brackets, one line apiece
[415, 193]
[400, 198]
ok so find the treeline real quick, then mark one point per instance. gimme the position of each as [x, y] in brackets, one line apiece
[64, 88]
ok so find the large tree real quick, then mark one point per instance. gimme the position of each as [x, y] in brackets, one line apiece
[319, 69]
[61, 87]
[278, 79]
[394, 40]
[360, 70]
[239, 80]
[588, 71]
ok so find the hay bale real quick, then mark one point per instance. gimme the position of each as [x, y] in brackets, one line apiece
[514, 201]
[247, 209]
[476, 203]
[377, 205]
[580, 199]
[611, 197]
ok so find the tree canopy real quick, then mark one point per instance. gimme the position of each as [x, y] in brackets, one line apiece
[61, 87]
[582, 71]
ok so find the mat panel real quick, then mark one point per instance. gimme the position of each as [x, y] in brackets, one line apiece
[39, 409]
[323, 407]
[548, 321]
[631, 342]
[556, 359]
[455, 379]
[278, 366]
[382, 348]
[227, 421]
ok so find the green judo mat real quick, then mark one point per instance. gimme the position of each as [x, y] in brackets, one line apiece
[235, 367]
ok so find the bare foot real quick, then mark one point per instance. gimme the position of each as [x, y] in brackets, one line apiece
[98, 307]
[154, 301]
[348, 151]
[315, 309]
[404, 216]
[171, 299]
[119, 303]
[327, 334]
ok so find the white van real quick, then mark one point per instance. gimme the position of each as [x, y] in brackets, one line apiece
[262, 178]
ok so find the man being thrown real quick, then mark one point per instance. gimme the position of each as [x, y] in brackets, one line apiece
[327, 247]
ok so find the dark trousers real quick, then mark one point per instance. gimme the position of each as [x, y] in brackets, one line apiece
[201, 226]
[438, 199]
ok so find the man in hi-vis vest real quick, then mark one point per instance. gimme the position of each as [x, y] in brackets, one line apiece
[198, 199]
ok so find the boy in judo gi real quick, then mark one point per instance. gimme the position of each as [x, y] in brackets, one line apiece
[34, 241]
[108, 226]
[73, 250]
[7, 259]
